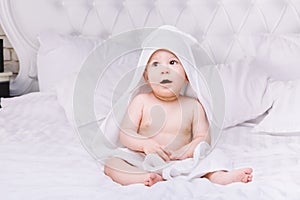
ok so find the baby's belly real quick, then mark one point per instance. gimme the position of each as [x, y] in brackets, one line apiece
[172, 141]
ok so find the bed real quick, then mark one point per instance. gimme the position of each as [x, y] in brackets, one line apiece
[255, 45]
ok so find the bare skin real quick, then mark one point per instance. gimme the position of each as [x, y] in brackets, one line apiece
[124, 173]
[223, 177]
[165, 123]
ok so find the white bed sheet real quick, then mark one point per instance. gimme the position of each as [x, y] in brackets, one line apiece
[41, 157]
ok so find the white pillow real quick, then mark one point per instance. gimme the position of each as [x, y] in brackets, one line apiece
[59, 56]
[284, 116]
[279, 56]
[108, 89]
[245, 87]
[64, 92]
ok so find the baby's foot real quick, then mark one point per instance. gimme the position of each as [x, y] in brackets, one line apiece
[223, 177]
[152, 179]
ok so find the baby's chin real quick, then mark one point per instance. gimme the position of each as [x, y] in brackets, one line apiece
[166, 94]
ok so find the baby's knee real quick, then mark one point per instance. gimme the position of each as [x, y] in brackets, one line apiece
[109, 166]
[107, 170]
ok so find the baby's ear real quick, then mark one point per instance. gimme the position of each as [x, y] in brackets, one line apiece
[145, 74]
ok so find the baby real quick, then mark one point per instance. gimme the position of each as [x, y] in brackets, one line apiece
[165, 123]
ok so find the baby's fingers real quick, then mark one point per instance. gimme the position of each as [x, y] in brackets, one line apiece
[163, 155]
[174, 156]
[166, 151]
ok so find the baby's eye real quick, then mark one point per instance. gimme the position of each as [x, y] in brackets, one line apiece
[155, 64]
[173, 62]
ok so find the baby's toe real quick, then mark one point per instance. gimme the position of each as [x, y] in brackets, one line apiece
[248, 170]
[146, 183]
[250, 178]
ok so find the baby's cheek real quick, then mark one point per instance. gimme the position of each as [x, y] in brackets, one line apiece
[154, 78]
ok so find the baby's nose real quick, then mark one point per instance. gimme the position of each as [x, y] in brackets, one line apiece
[165, 70]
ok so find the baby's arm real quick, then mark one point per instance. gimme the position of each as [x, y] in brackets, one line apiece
[129, 135]
[200, 132]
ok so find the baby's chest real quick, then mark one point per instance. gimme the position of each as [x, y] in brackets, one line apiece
[167, 120]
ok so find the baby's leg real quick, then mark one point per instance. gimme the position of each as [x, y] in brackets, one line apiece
[226, 177]
[124, 173]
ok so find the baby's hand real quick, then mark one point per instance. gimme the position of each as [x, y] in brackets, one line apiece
[151, 146]
[182, 153]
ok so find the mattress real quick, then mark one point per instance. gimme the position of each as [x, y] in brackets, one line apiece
[41, 157]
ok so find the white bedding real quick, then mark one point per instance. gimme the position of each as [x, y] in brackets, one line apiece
[41, 157]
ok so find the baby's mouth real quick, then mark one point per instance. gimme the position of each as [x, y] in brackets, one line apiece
[165, 81]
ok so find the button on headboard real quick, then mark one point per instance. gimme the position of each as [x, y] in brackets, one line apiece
[227, 28]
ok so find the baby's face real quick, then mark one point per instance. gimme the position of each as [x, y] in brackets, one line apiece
[165, 74]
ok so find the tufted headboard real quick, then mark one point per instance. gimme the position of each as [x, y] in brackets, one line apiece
[228, 29]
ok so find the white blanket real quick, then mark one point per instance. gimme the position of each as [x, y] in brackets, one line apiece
[204, 161]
